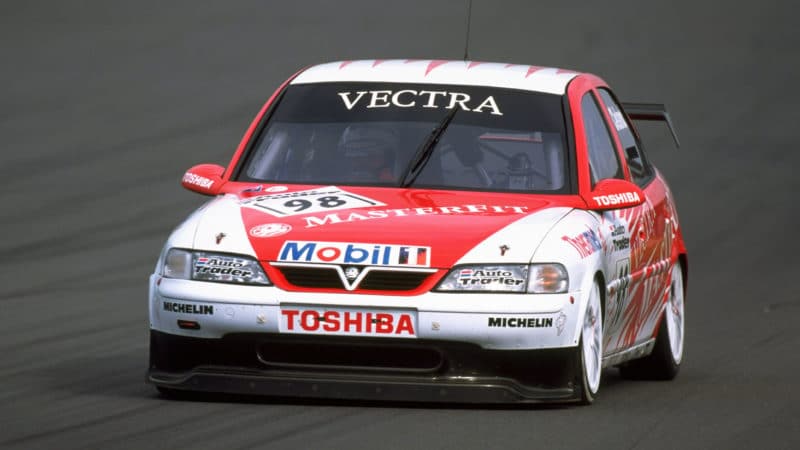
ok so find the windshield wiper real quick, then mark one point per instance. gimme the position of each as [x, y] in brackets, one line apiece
[425, 150]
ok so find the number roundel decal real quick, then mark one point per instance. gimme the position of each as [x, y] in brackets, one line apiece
[311, 201]
[328, 202]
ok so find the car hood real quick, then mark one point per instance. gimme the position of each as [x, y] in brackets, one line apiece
[378, 226]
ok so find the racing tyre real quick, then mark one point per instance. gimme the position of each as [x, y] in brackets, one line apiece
[665, 360]
[590, 349]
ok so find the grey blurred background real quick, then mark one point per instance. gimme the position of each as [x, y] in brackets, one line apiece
[104, 104]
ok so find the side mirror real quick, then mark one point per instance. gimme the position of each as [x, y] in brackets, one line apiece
[204, 179]
[614, 194]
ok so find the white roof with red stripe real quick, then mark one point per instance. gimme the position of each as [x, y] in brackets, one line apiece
[437, 71]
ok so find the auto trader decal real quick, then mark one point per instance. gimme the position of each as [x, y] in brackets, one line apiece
[324, 199]
[469, 277]
[355, 253]
[228, 266]
[619, 239]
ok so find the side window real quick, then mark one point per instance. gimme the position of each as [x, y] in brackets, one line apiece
[603, 159]
[641, 170]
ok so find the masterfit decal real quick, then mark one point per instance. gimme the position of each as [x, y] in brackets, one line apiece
[521, 322]
[315, 221]
[197, 180]
[329, 198]
[189, 308]
[354, 253]
[270, 230]
[348, 322]
[221, 266]
[585, 243]
[470, 277]
[409, 98]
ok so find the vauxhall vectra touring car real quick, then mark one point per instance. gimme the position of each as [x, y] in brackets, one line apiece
[425, 230]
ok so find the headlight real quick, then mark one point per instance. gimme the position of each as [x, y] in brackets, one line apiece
[548, 279]
[213, 267]
[178, 264]
[517, 278]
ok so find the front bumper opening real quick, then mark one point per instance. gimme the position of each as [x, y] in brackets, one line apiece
[349, 356]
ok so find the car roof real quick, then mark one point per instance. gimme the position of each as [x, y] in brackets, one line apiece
[549, 80]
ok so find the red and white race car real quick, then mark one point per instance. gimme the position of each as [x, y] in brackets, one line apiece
[425, 230]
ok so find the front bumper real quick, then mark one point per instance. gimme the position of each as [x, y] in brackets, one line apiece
[491, 321]
[362, 368]
[452, 347]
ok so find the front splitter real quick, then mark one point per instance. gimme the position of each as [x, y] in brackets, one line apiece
[482, 390]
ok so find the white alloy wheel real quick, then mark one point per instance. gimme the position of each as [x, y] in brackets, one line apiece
[592, 344]
[675, 314]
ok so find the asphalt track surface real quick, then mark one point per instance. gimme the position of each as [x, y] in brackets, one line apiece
[104, 104]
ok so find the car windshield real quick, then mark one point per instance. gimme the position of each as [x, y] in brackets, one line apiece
[385, 134]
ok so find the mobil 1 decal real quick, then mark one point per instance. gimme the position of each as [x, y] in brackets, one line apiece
[355, 253]
[324, 199]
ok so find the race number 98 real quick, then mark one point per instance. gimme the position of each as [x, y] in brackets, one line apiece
[330, 198]
[326, 202]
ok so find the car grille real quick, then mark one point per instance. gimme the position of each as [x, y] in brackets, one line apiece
[376, 280]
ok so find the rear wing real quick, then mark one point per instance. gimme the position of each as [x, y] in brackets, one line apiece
[651, 111]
